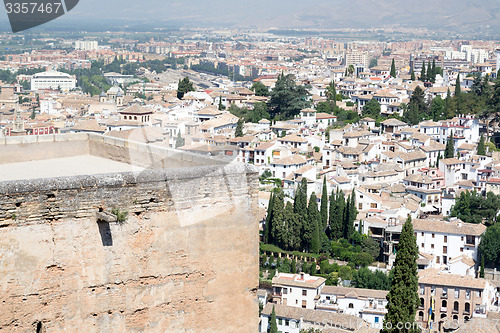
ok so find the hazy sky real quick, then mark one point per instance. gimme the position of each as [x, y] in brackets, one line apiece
[434, 14]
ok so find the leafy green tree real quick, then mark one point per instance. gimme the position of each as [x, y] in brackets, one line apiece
[437, 108]
[403, 296]
[350, 70]
[273, 324]
[260, 111]
[371, 109]
[324, 206]
[393, 68]
[417, 107]
[260, 89]
[373, 63]
[239, 128]
[312, 225]
[184, 86]
[371, 246]
[472, 207]
[490, 245]
[179, 141]
[287, 98]
[449, 150]
[481, 147]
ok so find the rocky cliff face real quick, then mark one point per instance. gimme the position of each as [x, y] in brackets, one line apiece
[185, 259]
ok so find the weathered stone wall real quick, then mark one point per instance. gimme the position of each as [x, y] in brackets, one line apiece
[185, 260]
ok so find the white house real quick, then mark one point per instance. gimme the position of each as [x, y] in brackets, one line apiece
[297, 290]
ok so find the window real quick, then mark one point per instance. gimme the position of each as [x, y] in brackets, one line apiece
[445, 249]
[304, 304]
[446, 239]
[433, 290]
[285, 291]
[376, 320]
[360, 206]
[422, 245]
[304, 292]
[422, 234]
[461, 249]
[280, 321]
[432, 246]
[445, 292]
[422, 290]
[433, 235]
[287, 322]
[351, 306]
[457, 293]
[467, 294]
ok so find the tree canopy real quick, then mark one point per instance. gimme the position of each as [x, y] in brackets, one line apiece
[287, 98]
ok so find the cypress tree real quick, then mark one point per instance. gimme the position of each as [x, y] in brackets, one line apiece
[269, 217]
[403, 296]
[293, 266]
[458, 89]
[312, 225]
[393, 68]
[278, 219]
[353, 213]
[412, 77]
[335, 224]
[273, 325]
[423, 78]
[239, 128]
[481, 148]
[346, 218]
[300, 200]
[433, 70]
[449, 151]
[429, 72]
[293, 229]
[481, 270]
[324, 206]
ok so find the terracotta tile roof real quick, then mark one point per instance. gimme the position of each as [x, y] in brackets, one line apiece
[432, 276]
[354, 292]
[456, 227]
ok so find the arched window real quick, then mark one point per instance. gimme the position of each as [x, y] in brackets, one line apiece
[444, 304]
[351, 306]
[455, 306]
[467, 308]
[422, 302]
[421, 316]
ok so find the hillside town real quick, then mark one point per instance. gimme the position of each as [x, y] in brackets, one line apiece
[358, 137]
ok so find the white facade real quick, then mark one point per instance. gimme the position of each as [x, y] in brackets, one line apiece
[53, 80]
[86, 45]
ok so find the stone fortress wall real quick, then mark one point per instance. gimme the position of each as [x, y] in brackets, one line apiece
[185, 259]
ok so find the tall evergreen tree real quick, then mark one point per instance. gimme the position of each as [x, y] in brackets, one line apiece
[239, 128]
[300, 200]
[353, 212]
[269, 218]
[412, 75]
[335, 225]
[423, 77]
[311, 234]
[393, 68]
[331, 93]
[293, 227]
[273, 324]
[433, 70]
[278, 230]
[481, 148]
[429, 72]
[403, 297]
[449, 151]
[345, 219]
[458, 89]
[324, 206]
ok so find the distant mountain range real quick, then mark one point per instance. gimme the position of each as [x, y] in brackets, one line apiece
[438, 15]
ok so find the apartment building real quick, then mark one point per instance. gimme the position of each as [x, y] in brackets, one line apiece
[447, 240]
[297, 290]
[445, 298]
[367, 304]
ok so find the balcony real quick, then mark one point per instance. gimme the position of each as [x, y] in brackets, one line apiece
[444, 309]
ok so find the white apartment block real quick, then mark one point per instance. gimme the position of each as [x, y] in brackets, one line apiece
[86, 45]
[297, 290]
[448, 240]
